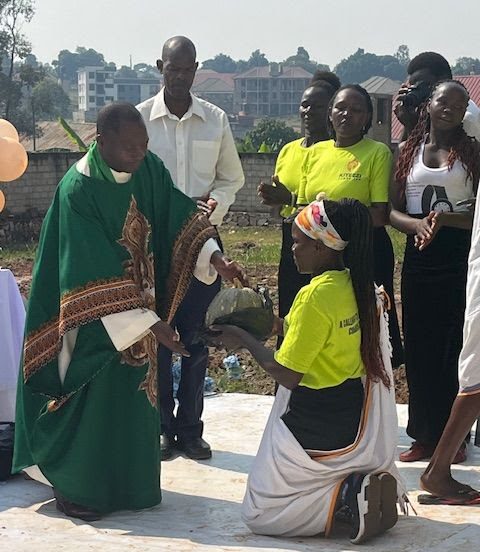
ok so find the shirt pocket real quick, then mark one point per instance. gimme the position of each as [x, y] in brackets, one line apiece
[205, 156]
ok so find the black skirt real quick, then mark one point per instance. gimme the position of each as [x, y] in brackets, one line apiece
[433, 304]
[325, 419]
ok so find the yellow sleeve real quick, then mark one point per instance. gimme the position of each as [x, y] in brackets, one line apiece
[308, 331]
[380, 176]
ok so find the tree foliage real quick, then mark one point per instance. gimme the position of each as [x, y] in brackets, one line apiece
[466, 66]
[126, 73]
[274, 134]
[68, 63]
[221, 63]
[302, 59]
[50, 100]
[362, 65]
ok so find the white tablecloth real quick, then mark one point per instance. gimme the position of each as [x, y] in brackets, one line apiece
[12, 322]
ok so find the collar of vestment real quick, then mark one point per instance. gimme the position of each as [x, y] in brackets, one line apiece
[160, 109]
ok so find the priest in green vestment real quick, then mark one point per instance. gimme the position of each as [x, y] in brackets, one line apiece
[118, 248]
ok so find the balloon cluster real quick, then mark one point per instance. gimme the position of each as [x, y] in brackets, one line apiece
[13, 157]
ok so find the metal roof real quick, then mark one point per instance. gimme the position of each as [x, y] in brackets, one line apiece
[472, 84]
[53, 136]
[381, 85]
[286, 72]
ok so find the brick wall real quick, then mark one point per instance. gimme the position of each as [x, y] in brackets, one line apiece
[29, 197]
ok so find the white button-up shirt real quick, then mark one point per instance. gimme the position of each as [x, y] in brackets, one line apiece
[198, 150]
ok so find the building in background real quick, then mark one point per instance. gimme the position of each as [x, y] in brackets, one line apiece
[216, 88]
[98, 86]
[270, 91]
[382, 90]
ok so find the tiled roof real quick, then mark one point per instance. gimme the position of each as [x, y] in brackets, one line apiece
[288, 72]
[472, 84]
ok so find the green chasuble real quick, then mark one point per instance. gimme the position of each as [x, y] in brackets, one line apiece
[104, 247]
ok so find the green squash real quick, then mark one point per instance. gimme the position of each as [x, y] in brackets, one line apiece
[246, 308]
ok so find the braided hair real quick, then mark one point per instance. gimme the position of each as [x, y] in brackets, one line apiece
[368, 103]
[464, 148]
[353, 222]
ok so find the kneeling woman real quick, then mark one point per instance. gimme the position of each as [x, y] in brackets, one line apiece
[333, 424]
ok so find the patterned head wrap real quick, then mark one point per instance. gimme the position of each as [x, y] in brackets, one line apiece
[314, 222]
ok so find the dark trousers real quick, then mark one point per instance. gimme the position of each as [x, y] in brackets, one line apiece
[188, 320]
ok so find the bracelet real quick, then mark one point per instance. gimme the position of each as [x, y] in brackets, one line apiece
[293, 201]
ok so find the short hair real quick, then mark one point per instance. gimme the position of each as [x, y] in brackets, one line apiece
[113, 115]
[178, 43]
[320, 77]
[368, 102]
[432, 61]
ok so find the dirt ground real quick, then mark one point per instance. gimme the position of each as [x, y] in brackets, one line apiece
[253, 378]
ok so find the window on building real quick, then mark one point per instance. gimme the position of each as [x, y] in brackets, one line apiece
[100, 77]
[109, 86]
[382, 113]
[109, 98]
[100, 101]
[91, 99]
[91, 87]
[100, 89]
[121, 88]
[91, 75]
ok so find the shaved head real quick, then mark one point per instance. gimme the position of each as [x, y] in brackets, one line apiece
[178, 45]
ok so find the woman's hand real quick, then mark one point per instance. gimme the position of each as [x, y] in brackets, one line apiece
[227, 337]
[426, 230]
[277, 328]
[275, 193]
[228, 269]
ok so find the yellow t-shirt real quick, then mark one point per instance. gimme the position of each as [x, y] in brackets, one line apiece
[322, 337]
[361, 171]
[292, 162]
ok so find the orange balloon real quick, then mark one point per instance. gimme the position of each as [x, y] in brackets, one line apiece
[2, 201]
[7, 130]
[13, 160]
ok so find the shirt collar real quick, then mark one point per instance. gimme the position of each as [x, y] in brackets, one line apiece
[160, 109]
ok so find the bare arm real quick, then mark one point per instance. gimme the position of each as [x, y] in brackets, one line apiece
[232, 337]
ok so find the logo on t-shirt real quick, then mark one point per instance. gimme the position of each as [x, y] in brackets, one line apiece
[352, 165]
[352, 323]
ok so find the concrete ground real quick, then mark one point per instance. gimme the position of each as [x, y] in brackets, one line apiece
[201, 503]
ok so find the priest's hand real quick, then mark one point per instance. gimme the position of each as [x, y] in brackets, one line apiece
[169, 337]
[228, 270]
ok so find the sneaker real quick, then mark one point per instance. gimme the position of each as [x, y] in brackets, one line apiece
[388, 501]
[364, 502]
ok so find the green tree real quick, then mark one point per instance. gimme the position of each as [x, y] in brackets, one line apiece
[271, 132]
[403, 54]
[466, 66]
[14, 43]
[68, 63]
[362, 65]
[50, 101]
[257, 59]
[302, 59]
[126, 73]
[221, 63]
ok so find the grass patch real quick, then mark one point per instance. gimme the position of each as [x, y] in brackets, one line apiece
[252, 246]
[18, 252]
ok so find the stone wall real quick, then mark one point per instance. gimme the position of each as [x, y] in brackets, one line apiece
[29, 197]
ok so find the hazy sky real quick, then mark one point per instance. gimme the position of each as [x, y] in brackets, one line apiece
[329, 29]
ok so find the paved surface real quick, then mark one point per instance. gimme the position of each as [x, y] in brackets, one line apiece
[200, 509]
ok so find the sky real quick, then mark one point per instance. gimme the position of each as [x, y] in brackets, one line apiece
[329, 29]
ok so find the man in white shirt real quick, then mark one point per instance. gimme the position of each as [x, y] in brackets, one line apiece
[194, 140]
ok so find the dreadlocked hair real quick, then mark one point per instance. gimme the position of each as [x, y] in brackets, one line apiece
[464, 147]
[368, 103]
[353, 222]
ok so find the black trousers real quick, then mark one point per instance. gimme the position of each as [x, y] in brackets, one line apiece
[188, 320]
[383, 269]
[325, 419]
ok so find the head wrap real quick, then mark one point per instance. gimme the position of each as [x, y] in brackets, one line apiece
[314, 222]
